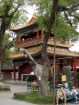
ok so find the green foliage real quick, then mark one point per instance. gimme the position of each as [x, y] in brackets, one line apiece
[6, 39]
[7, 44]
[68, 73]
[43, 7]
[34, 97]
[69, 76]
[78, 76]
[67, 2]
[9, 5]
[42, 22]
[10, 10]
[9, 13]
[4, 4]
[63, 29]
[19, 18]
[15, 18]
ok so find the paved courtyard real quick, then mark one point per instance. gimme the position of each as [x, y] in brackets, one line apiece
[6, 99]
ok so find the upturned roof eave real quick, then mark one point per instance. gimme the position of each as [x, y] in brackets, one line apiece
[50, 50]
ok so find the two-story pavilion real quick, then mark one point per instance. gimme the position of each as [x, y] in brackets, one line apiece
[31, 37]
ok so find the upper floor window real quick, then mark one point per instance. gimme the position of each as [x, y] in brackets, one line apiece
[29, 36]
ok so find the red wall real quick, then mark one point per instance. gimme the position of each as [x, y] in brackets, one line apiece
[26, 69]
[76, 63]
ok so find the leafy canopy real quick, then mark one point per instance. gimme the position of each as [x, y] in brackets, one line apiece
[66, 20]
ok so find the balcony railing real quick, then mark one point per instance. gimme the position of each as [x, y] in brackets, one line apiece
[35, 41]
[28, 43]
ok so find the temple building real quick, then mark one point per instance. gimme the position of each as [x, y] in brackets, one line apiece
[31, 38]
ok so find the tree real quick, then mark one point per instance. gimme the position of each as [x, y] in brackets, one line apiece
[68, 73]
[53, 15]
[6, 48]
[9, 11]
[5, 59]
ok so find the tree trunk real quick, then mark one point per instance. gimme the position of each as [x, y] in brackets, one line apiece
[2, 32]
[41, 72]
[1, 60]
[1, 75]
[45, 59]
[54, 71]
[43, 87]
[46, 68]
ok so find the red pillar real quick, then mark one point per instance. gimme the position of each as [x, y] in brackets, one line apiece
[14, 74]
[19, 76]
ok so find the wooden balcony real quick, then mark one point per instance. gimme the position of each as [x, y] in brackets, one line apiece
[35, 41]
[28, 43]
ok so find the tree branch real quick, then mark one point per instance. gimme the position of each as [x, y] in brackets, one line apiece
[26, 53]
[12, 14]
[74, 7]
[68, 20]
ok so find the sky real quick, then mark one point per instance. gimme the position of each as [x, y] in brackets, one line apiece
[30, 10]
[75, 47]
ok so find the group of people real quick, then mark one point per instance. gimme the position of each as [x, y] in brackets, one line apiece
[62, 94]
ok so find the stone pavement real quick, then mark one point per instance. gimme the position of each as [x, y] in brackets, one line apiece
[6, 99]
